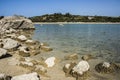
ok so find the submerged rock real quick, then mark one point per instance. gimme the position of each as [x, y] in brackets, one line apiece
[71, 57]
[46, 48]
[30, 76]
[10, 44]
[50, 61]
[87, 57]
[106, 67]
[3, 52]
[5, 77]
[44, 44]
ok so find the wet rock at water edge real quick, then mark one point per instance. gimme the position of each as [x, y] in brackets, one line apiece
[5, 77]
[71, 57]
[44, 44]
[46, 48]
[34, 52]
[68, 68]
[30, 76]
[87, 57]
[106, 67]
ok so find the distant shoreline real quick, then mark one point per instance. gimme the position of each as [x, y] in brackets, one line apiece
[76, 23]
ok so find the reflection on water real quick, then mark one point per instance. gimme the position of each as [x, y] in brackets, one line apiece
[102, 40]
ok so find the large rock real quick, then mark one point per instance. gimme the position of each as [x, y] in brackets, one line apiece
[5, 77]
[10, 44]
[30, 76]
[3, 52]
[16, 22]
[50, 61]
[80, 68]
[106, 67]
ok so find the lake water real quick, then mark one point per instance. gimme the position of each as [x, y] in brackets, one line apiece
[102, 40]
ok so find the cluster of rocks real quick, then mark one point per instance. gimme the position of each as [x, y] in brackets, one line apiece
[81, 70]
[15, 40]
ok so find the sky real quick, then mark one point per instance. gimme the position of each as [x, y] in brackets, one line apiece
[30, 8]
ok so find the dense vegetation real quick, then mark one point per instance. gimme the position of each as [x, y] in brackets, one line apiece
[58, 17]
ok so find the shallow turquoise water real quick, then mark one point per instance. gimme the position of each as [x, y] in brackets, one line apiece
[102, 40]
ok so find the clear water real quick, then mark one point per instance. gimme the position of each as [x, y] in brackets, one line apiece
[102, 40]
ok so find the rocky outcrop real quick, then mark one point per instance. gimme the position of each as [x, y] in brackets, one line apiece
[3, 52]
[30, 76]
[5, 77]
[10, 44]
[16, 22]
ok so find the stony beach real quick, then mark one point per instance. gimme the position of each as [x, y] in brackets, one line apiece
[22, 58]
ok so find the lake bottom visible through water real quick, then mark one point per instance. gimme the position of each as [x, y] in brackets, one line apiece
[101, 40]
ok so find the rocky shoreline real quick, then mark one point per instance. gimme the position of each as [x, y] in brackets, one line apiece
[17, 49]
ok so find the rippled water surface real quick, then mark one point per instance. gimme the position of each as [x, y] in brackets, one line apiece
[102, 40]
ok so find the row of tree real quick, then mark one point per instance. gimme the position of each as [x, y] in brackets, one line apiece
[59, 17]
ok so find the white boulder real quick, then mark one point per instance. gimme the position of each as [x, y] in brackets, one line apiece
[10, 43]
[81, 67]
[50, 61]
[22, 38]
[2, 52]
[31, 76]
